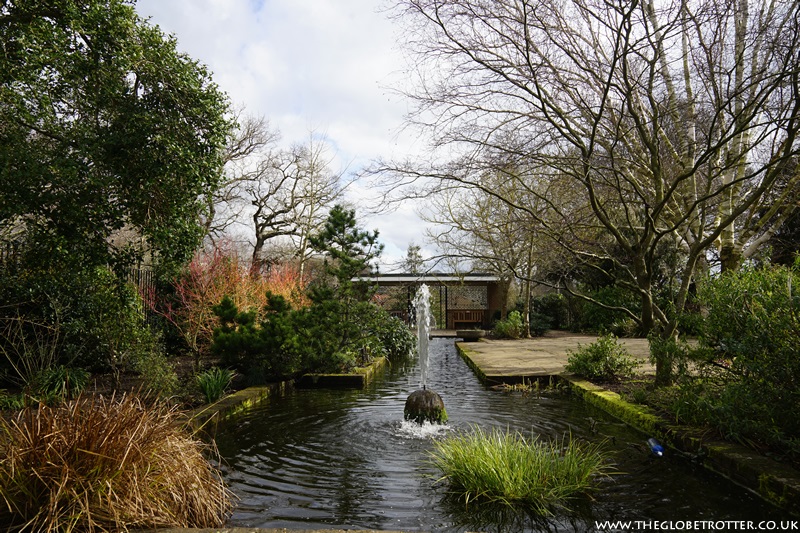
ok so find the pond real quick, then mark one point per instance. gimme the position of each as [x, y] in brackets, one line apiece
[329, 459]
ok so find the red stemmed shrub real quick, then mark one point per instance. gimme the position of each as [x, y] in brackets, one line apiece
[212, 275]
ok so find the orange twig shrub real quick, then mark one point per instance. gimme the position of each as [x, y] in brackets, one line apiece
[208, 278]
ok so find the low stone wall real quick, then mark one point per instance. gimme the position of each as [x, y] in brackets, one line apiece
[355, 380]
[232, 404]
[465, 352]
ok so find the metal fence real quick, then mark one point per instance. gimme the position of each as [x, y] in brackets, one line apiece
[142, 278]
[145, 282]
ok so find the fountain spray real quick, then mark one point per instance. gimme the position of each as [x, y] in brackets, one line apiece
[422, 306]
[424, 405]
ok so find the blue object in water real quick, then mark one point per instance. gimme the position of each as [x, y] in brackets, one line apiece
[655, 447]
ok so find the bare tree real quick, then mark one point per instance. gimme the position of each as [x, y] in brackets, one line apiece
[275, 193]
[321, 188]
[282, 195]
[293, 191]
[252, 137]
[490, 233]
[675, 119]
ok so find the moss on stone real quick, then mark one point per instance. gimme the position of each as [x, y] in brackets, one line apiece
[425, 406]
[233, 404]
[437, 416]
[638, 416]
[777, 483]
[465, 352]
[357, 379]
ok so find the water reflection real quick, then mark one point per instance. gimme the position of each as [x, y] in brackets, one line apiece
[346, 459]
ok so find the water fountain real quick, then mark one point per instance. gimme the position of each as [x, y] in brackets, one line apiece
[424, 405]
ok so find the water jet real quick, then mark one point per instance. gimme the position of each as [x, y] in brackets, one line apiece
[424, 405]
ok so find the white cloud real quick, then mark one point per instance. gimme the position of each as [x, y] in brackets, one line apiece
[297, 63]
[323, 65]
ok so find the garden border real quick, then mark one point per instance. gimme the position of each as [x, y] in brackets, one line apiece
[775, 482]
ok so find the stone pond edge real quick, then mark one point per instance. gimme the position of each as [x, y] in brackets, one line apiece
[775, 482]
[237, 402]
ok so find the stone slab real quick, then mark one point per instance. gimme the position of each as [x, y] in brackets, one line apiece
[511, 360]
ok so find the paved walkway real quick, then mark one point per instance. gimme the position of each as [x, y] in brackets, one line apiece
[504, 360]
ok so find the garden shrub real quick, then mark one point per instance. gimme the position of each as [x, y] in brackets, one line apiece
[554, 307]
[676, 358]
[323, 337]
[158, 374]
[76, 317]
[59, 383]
[624, 327]
[691, 320]
[28, 349]
[208, 278]
[598, 319]
[11, 402]
[99, 464]
[753, 326]
[394, 335]
[339, 328]
[270, 348]
[604, 359]
[510, 327]
[539, 324]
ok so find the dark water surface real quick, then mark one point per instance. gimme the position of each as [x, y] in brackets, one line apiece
[345, 459]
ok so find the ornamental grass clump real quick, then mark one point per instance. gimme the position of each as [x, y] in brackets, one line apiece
[213, 382]
[99, 464]
[507, 469]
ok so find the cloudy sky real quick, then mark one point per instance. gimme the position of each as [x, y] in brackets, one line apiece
[327, 66]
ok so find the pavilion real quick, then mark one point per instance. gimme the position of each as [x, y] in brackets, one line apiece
[458, 301]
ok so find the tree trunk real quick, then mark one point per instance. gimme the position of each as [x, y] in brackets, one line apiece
[527, 291]
[526, 310]
[664, 363]
[647, 315]
[730, 257]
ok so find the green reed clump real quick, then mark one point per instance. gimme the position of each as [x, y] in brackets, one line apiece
[98, 464]
[213, 382]
[508, 469]
[59, 382]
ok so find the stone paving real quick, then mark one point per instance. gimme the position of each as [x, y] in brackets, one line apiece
[503, 360]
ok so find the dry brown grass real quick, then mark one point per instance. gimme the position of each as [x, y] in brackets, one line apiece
[100, 464]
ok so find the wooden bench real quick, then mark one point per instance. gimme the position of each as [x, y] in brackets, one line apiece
[464, 319]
